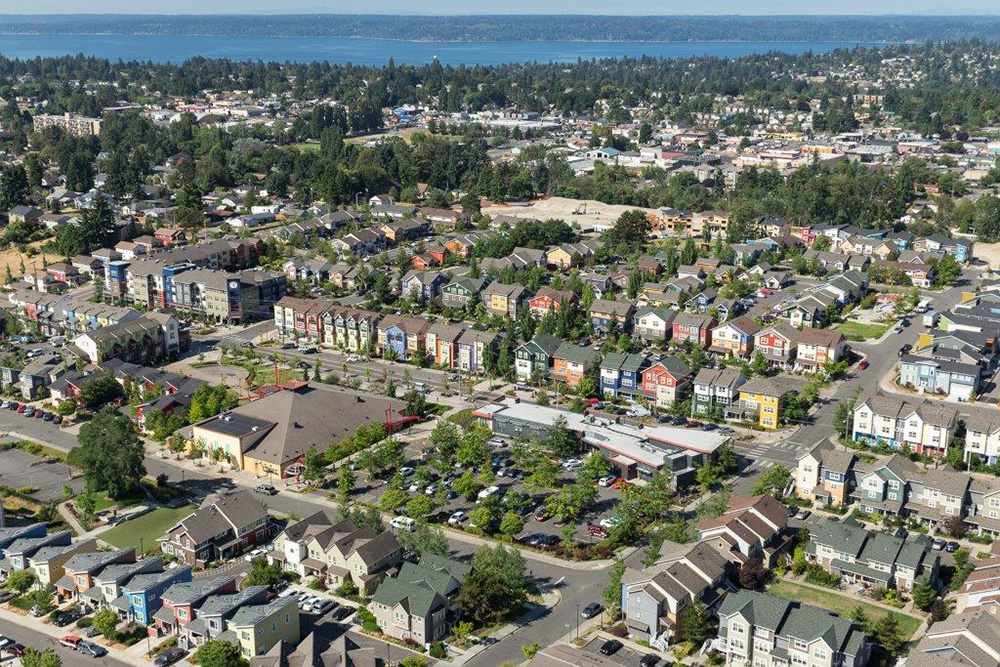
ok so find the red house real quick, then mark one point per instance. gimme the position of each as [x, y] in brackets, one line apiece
[181, 601]
[694, 327]
[547, 298]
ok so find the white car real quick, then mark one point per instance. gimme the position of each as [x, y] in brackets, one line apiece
[572, 464]
[496, 442]
[253, 554]
[406, 471]
[403, 523]
[610, 522]
[353, 358]
[432, 489]
[607, 480]
[416, 486]
[287, 592]
[458, 518]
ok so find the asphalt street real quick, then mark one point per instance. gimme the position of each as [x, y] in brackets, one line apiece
[70, 658]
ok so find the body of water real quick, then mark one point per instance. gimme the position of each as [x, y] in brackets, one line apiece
[360, 51]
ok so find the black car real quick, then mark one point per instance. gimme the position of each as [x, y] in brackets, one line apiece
[591, 610]
[324, 607]
[65, 618]
[611, 647]
[951, 547]
[170, 656]
[6, 595]
[649, 660]
[678, 421]
[340, 613]
[905, 349]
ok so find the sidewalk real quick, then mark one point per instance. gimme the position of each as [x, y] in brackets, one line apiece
[68, 517]
[56, 633]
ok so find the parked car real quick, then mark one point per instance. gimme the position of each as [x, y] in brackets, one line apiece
[678, 421]
[169, 657]
[591, 610]
[70, 641]
[91, 649]
[324, 606]
[937, 545]
[725, 430]
[540, 515]
[458, 518]
[863, 365]
[403, 523]
[710, 426]
[65, 618]
[597, 531]
[649, 660]
[266, 489]
[256, 553]
[803, 514]
[15, 649]
[48, 416]
[951, 547]
[905, 349]
[340, 613]
[611, 647]
[610, 522]
[607, 480]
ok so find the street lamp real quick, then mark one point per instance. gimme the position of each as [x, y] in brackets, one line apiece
[577, 620]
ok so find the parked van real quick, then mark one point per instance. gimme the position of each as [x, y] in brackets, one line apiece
[487, 492]
[403, 523]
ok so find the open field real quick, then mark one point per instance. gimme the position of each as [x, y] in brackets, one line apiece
[597, 213]
[858, 332]
[146, 528]
[840, 604]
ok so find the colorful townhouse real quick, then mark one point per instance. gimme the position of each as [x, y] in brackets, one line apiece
[476, 349]
[923, 427]
[48, 563]
[825, 474]
[777, 344]
[402, 336]
[666, 381]
[621, 374]
[504, 300]
[735, 338]
[548, 300]
[761, 401]
[351, 329]
[714, 390]
[816, 348]
[141, 595]
[18, 553]
[260, 627]
[214, 612]
[571, 363]
[605, 314]
[422, 286]
[442, 343]
[80, 570]
[301, 319]
[182, 600]
[536, 358]
[694, 328]
[109, 582]
[462, 292]
[654, 324]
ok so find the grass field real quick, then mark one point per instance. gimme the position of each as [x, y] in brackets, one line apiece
[146, 528]
[842, 605]
[306, 146]
[856, 331]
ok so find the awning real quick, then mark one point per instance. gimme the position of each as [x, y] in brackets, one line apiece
[164, 615]
[66, 583]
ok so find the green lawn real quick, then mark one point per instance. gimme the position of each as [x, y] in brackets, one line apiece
[857, 331]
[841, 604]
[148, 527]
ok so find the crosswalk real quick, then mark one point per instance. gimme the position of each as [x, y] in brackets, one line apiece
[762, 449]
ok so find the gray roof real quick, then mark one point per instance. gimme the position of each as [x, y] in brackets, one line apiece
[417, 598]
[251, 615]
[86, 562]
[189, 592]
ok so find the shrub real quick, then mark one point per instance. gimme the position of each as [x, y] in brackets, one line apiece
[619, 631]
[438, 651]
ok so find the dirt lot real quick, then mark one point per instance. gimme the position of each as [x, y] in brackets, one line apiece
[988, 252]
[598, 214]
[12, 257]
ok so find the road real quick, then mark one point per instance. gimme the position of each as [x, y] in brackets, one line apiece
[41, 641]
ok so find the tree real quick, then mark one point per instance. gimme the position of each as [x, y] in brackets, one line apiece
[391, 499]
[218, 653]
[416, 404]
[106, 621]
[14, 187]
[315, 465]
[262, 573]
[424, 539]
[923, 593]
[947, 271]
[753, 574]
[97, 225]
[21, 580]
[511, 524]
[955, 526]
[210, 400]
[467, 485]
[530, 650]
[32, 657]
[773, 481]
[445, 439]
[693, 626]
[345, 484]
[612, 593]
[110, 453]
[561, 441]
[87, 504]
[886, 632]
[495, 588]
[474, 451]
[419, 506]
[100, 391]
[629, 234]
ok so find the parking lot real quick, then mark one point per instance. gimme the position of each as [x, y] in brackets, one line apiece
[20, 469]
[515, 495]
[624, 656]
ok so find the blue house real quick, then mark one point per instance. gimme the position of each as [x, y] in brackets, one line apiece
[141, 596]
[622, 374]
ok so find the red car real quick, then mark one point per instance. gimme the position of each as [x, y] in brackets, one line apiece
[596, 530]
[21, 407]
[863, 365]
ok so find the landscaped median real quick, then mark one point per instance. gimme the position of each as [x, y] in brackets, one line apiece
[843, 604]
[860, 332]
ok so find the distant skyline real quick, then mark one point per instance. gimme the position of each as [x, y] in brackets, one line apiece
[450, 7]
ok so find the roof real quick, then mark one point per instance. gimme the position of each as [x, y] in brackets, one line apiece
[416, 598]
[577, 353]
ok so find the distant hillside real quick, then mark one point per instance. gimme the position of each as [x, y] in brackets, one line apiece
[532, 28]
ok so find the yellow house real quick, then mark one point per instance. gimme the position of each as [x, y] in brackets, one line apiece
[503, 300]
[260, 627]
[47, 563]
[762, 399]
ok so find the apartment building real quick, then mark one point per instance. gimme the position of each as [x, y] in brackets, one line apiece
[764, 630]
[536, 357]
[715, 390]
[871, 559]
[77, 126]
[223, 527]
[971, 638]
[415, 604]
[924, 427]
[825, 474]
[752, 526]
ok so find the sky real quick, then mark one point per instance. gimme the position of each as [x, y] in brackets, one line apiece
[622, 7]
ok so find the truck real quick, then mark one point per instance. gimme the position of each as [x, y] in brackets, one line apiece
[931, 318]
[923, 306]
